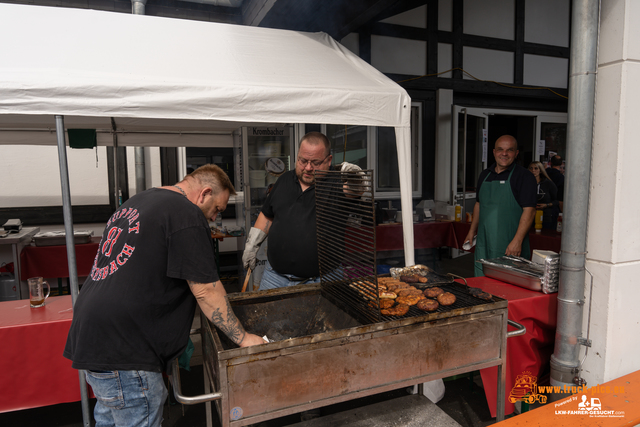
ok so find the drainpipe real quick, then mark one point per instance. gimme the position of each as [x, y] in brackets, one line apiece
[565, 364]
[137, 8]
[225, 3]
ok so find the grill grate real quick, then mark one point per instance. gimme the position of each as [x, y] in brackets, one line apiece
[345, 227]
[463, 300]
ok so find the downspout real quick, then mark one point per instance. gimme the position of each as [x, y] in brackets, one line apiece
[565, 364]
[137, 8]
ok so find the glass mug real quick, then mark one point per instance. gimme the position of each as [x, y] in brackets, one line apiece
[36, 291]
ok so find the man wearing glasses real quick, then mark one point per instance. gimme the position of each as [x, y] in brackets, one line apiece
[288, 216]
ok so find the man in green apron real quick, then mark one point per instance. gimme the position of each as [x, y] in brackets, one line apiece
[505, 206]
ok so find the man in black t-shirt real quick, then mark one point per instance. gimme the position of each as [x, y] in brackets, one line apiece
[288, 217]
[134, 313]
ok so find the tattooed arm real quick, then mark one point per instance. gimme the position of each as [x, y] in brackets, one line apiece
[212, 299]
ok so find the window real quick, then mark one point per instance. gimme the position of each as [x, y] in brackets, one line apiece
[375, 148]
[386, 159]
[348, 144]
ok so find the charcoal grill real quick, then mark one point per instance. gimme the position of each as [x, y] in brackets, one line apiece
[331, 342]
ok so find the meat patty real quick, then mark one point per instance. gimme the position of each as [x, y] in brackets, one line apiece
[398, 310]
[407, 292]
[485, 296]
[433, 292]
[386, 303]
[446, 298]
[408, 300]
[428, 305]
[396, 286]
[474, 291]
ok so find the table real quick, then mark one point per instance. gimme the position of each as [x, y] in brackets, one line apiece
[34, 372]
[52, 261]
[14, 240]
[436, 234]
[426, 235]
[529, 352]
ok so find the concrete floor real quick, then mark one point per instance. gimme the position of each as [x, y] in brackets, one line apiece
[464, 402]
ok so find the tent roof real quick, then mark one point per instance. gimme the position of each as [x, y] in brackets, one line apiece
[92, 65]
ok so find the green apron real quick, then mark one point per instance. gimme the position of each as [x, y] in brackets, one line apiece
[499, 219]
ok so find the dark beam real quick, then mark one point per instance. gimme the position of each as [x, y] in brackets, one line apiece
[518, 69]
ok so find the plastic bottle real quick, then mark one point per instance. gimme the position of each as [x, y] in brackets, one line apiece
[539, 214]
[119, 197]
[458, 213]
[219, 221]
[559, 226]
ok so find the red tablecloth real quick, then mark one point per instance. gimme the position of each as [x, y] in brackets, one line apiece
[528, 352]
[425, 235]
[51, 261]
[32, 340]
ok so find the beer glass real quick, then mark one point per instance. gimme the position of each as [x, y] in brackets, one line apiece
[36, 291]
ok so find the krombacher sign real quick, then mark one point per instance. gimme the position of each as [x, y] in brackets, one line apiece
[269, 131]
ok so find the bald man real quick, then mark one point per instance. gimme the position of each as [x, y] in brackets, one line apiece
[505, 206]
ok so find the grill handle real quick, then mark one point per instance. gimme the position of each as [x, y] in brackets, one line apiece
[174, 378]
[521, 329]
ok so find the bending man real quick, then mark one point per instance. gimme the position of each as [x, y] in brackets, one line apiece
[134, 313]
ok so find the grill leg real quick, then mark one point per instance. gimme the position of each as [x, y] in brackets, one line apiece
[207, 390]
[502, 379]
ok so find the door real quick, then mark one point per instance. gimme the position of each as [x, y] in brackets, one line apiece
[538, 134]
[469, 155]
[551, 134]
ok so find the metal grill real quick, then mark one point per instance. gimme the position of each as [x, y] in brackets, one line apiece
[346, 232]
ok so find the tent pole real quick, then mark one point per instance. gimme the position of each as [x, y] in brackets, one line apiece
[71, 249]
[116, 180]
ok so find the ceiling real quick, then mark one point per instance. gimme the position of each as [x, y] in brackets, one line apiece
[335, 17]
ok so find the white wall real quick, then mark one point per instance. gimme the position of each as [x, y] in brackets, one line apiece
[399, 56]
[412, 18]
[488, 64]
[546, 22]
[30, 176]
[490, 18]
[613, 243]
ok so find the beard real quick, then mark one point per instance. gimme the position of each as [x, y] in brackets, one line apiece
[307, 180]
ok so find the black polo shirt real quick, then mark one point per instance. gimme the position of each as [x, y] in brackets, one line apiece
[292, 245]
[523, 183]
[558, 179]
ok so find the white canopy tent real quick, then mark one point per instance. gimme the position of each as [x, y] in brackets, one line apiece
[171, 82]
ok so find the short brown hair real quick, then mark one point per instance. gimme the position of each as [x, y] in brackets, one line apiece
[315, 138]
[213, 176]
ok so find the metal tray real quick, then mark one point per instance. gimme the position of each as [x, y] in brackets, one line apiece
[508, 273]
[515, 278]
[54, 238]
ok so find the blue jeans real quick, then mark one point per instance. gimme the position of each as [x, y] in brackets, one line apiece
[127, 398]
[271, 279]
